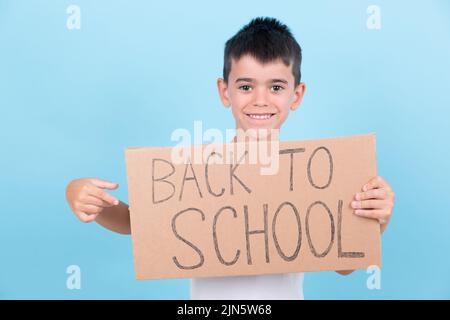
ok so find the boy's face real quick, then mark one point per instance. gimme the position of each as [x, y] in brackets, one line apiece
[260, 95]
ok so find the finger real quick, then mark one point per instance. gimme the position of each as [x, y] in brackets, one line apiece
[90, 209]
[104, 184]
[381, 215]
[96, 192]
[370, 204]
[375, 183]
[373, 194]
[96, 201]
[84, 217]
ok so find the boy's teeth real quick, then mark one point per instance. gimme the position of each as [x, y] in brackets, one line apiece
[260, 116]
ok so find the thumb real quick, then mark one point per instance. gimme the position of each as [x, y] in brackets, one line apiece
[104, 184]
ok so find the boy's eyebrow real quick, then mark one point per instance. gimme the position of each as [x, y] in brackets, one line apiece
[244, 80]
[279, 80]
[252, 80]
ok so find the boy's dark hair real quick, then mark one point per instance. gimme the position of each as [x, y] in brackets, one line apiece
[265, 39]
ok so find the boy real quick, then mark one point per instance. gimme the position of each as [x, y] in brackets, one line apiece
[261, 83]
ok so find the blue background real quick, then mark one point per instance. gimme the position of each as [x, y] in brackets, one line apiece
[71, 101]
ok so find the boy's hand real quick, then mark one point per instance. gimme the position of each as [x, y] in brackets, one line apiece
[376, 201]
[87, 199]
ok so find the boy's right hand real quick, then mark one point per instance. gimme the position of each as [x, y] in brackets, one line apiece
[87, 199]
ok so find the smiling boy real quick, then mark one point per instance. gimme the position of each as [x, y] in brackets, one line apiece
[262, 85]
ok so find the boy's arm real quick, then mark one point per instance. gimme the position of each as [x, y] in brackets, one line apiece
[90, 202]
[116, 218]
[344, 272]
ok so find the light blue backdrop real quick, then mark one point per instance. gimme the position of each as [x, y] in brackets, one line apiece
[71, 101]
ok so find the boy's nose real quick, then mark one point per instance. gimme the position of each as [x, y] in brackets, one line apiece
[260, 104]
[260, 99]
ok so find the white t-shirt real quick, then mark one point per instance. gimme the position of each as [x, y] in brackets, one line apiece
[286, 286]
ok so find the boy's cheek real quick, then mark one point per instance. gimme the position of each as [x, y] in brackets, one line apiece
[281, 118]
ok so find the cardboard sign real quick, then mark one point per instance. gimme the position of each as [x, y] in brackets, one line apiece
[222, 219]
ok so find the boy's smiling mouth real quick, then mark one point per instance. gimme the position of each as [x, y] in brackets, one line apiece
[260, 116]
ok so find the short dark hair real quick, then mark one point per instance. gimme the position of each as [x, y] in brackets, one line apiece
[265, 39]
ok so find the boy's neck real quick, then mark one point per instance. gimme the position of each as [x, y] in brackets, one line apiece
[258, 137]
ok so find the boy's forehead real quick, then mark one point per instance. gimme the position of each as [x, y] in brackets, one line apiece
[249, 67]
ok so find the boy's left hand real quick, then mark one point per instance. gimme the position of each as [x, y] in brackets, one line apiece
[375, 202]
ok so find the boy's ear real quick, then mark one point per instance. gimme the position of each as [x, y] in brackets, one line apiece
[223, 92]
[298, 92]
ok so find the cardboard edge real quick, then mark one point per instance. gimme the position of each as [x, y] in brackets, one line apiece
[127, 154]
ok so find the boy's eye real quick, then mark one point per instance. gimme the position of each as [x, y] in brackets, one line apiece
[245, 87]
[277, 88]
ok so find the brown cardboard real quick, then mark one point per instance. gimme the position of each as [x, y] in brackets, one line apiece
[177, 238]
